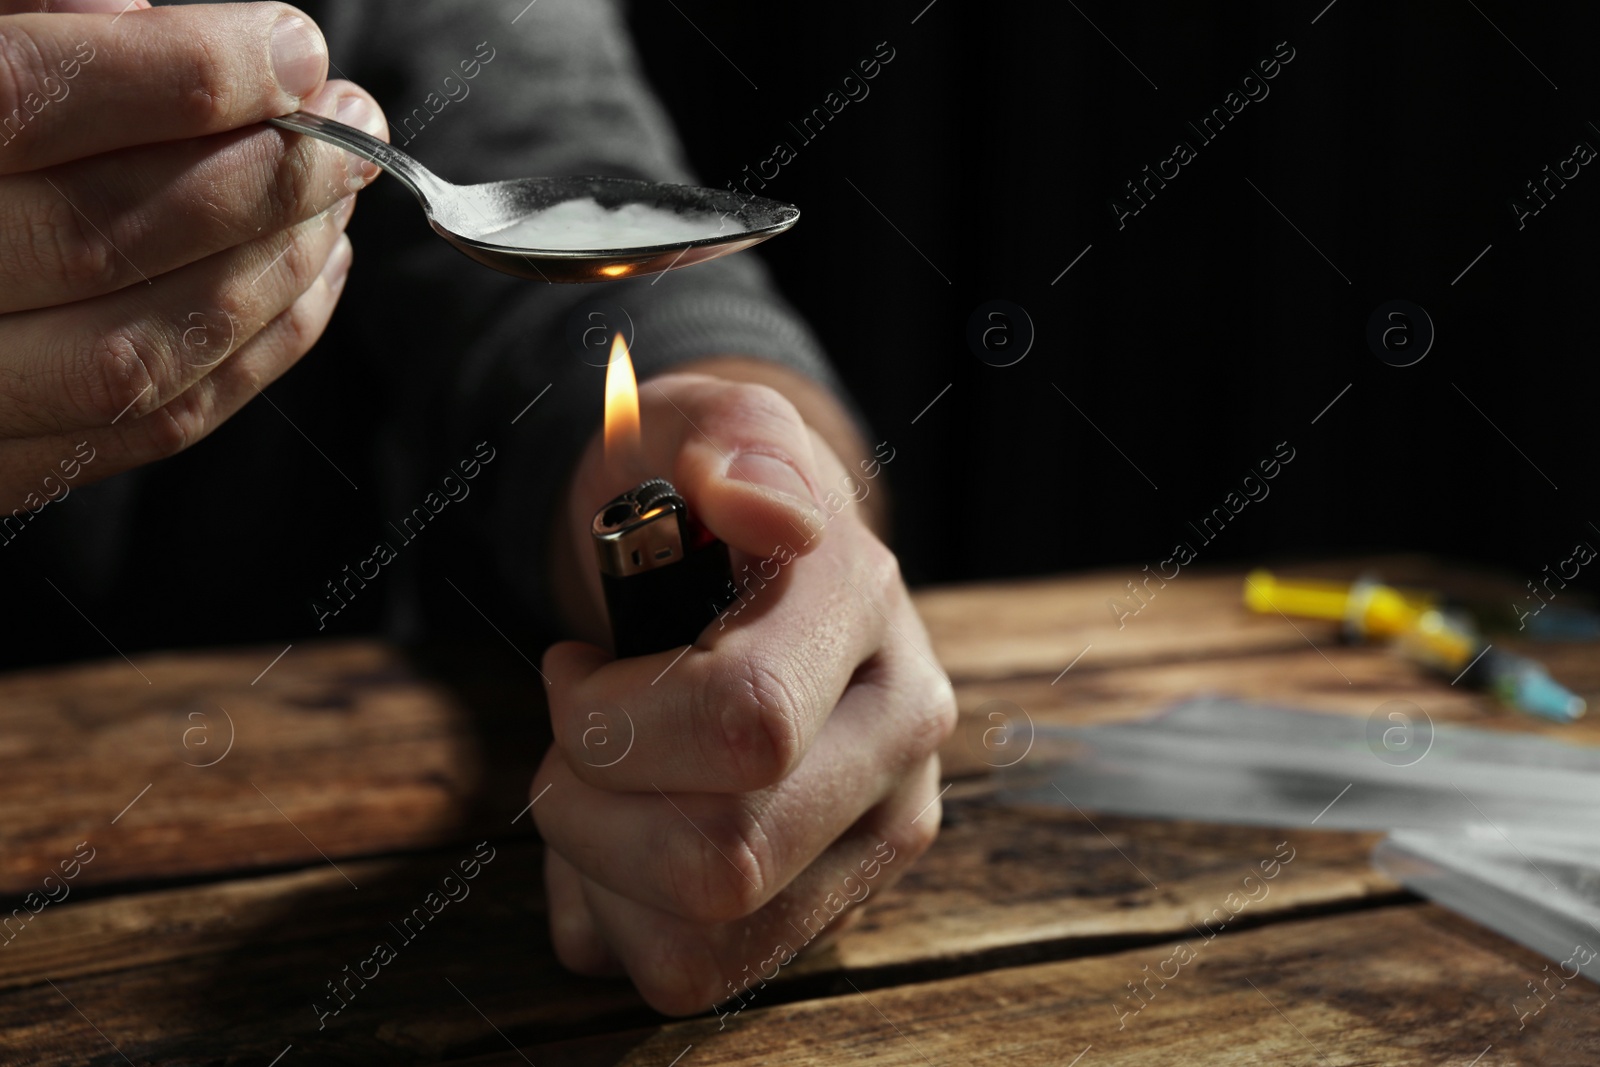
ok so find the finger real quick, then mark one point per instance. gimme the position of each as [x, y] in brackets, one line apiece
[715, 858]
[736, 711]
[95, 225]
[75, 85]
[681, 967]
[72, 7]
[131, 352]
[189, 417]
[576, 939]
[744, 460]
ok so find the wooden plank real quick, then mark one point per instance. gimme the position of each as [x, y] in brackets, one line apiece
[997, 877]
[350, 749]
[1006, 878]
[343, 748]
[1397, 986]
[374, 754]
[238, 971]
[1038, 625]
[1000, 885]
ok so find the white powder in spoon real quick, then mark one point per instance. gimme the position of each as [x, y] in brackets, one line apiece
[583, 224]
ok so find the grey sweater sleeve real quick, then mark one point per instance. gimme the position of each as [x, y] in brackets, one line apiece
[485, 90]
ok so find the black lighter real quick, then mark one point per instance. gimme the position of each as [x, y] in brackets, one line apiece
[664, 575]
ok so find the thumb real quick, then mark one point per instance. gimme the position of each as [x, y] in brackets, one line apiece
[74, 7]
[748, 468]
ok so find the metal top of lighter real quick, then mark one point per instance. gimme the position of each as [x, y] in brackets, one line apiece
[645, 528]
[663, 574]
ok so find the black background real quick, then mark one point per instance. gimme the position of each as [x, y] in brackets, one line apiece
[1207, 330]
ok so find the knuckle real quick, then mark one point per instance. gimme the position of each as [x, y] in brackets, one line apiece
[62, 247]
[296, 329]
[280, 286]
[935, 717]
[205, 95]
[948, 708]
[171, 429]
[760, 739]
[302, 259]
[717, 869]
[907, 839]
[925, 715]
[119, 372]
[673, 977]
[760, 408]
[294, 184]
[882, 568]
[916, 838]
[935, 711]
[181, 421]
[764, 399]
[932, 712]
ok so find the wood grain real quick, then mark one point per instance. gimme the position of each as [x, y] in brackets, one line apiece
[349, 748]
[354, 765]
[231, 971]
[353, 749]
[1397, 986]
[1001, 885]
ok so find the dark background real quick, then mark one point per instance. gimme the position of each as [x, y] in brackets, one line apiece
[1210, 332]
[1207, 330]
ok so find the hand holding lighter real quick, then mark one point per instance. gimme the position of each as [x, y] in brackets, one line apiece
[664, 575]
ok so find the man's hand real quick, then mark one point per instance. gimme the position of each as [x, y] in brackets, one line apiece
[784, 768]
[162, 255]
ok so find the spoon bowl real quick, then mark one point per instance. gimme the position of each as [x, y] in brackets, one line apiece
[471, 216]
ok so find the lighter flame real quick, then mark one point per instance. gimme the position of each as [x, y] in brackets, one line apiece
[622, 407]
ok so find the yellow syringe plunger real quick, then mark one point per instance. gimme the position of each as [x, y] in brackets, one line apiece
[1370, 609]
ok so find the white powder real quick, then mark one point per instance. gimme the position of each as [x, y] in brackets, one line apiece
[584, 224]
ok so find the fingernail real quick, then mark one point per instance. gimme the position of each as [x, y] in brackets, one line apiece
[299, 55]
[770, 472]
[355, 110]
[339, 260]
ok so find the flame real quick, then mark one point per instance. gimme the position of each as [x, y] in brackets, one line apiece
[622, 406]
[616, 270]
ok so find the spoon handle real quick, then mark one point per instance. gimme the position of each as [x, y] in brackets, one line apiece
[427, 186]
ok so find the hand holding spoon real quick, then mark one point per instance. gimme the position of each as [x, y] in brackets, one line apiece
[601, 228]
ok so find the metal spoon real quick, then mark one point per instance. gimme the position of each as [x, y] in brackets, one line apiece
[469, 215]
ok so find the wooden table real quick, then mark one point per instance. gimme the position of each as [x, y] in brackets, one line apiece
[223, 890]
